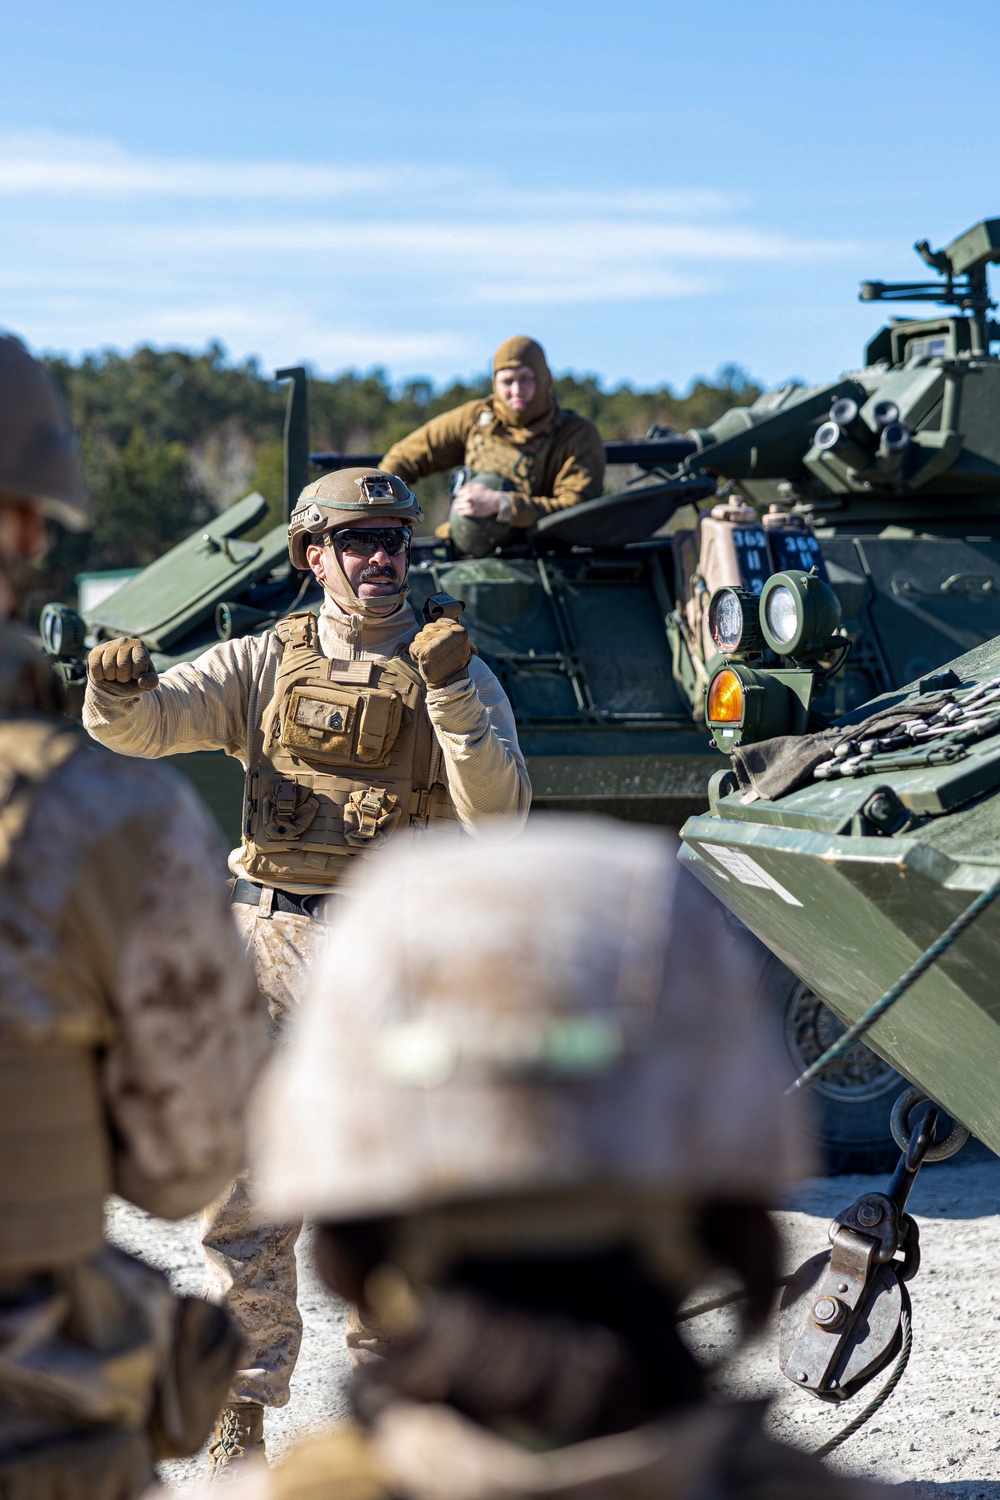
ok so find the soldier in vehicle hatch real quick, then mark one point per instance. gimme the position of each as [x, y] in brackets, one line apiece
[352, 726]
[553, 1119]
[130, 1033]
[524, 456]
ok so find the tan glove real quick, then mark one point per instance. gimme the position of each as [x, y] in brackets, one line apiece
[442, 651]
[122, 666]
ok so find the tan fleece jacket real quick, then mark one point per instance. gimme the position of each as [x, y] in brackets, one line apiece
[552, 469]
[209, 704]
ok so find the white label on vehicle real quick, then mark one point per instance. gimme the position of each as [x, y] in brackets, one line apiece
[748, 871]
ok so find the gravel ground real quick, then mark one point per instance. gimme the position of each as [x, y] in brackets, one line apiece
[938, 1433]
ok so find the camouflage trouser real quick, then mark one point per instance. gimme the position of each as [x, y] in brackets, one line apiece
[249, 1267]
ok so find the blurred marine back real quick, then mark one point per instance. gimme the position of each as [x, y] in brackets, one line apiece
[130, 1030]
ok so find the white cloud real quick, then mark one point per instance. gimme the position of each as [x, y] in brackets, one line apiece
[460, 263]
[54, 166]
[499, 242]
[279, 337]
[107, 247]
[614, 286]
[670, 203]
[47, 164]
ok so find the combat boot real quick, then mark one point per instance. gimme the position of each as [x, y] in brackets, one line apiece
[238, 1439]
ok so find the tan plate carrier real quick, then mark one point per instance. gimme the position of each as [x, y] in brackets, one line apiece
[344, 756]
[526, 466]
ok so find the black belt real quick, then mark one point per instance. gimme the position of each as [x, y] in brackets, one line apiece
[248, 893]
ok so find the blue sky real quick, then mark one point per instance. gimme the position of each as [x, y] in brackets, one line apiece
[650, 189]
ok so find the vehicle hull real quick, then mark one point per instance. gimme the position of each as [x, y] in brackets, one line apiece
[849, 916]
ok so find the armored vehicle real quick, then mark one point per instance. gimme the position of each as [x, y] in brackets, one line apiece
[851, 849]
[597, 623]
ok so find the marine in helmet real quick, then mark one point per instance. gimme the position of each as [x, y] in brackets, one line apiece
[520, 456]
[558, 1113]
[353, 726]
[130, 1031]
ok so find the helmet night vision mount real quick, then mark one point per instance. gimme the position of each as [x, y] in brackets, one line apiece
[795, 619]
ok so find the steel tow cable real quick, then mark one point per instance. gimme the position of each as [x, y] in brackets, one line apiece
[922, 964]
[837, 1049]
[885, 1002]
[867, 1412]
[902, 1360]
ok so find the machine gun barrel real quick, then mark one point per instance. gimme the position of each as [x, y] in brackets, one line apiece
[330, 461]
[648, 453]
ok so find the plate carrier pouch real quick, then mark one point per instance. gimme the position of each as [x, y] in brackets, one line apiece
[55, 1157]
[524, 466]
[344, 756]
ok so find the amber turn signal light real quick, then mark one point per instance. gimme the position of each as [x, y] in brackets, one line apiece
[725, 698]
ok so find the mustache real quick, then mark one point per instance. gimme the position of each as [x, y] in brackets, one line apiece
[375, 571]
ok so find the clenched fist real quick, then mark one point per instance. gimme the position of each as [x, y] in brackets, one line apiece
[122, 666]
[442, 651]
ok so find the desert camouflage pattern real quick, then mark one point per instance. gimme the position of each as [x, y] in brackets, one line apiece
[130, 1032]
[217, 703]
[250, 1267]
[117, 935]
[602, 966]
[250, 1271]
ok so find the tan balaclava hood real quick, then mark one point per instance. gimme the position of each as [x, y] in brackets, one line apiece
[524, 351]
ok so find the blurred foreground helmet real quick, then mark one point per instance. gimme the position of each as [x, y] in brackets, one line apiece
[565, 1012]
[345, 497]
[39, 455]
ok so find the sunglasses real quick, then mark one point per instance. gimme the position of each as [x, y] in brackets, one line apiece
[358, 543]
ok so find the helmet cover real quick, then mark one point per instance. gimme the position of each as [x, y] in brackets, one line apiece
[566, 1012]
[343, 497]
[39, 455]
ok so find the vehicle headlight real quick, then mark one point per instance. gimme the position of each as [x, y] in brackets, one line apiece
[734, 621]
[781, 614]
[62, 631]
[799, 613]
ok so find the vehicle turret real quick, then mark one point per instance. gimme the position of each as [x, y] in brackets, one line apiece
[914, 425]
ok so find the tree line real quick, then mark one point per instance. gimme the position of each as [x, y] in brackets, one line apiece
[172, 437]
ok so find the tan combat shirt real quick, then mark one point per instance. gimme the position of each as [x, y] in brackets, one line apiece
[213, 702]
[566, 460]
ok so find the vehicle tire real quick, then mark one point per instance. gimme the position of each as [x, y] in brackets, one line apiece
[854, 1097]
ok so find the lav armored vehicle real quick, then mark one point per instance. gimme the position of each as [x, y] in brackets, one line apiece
[866, 853]
[850, 849]
[598, 626]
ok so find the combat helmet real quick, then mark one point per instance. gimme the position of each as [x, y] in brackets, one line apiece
[561, 1015]
[39, 454]
[344, 496]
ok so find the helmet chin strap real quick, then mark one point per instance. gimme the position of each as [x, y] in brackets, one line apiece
[348, 599]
